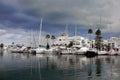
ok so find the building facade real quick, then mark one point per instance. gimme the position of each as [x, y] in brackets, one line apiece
[64, 40]
[114, 42]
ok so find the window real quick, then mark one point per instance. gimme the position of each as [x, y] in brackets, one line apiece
[113, 45]
[83, 41]
[60, 40]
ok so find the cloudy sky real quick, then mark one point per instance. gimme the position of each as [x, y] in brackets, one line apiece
[19, 17]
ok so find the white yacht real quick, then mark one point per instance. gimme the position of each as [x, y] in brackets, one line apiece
[102, 52]
[53, 50]
[17, 48]
[68, 51]
[39, 50]
[113, 52]
[82, 50]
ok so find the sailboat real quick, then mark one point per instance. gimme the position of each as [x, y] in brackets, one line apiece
[91, 52]
[102, 51]
[82, 49]
[39, 49]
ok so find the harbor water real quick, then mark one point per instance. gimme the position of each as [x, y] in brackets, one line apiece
[18, 66]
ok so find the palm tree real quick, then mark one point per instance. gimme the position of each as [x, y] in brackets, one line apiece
[98, 32]
[98, 39]
[47, 37]
[70, 44]
[53, 38]
[90, 31]
[1, 45]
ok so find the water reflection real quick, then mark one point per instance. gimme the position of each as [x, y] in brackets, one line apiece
[1, 52]
[90, 68]
[98, 67]
[58, 67]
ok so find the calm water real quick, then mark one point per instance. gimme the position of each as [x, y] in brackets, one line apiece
[15, 66]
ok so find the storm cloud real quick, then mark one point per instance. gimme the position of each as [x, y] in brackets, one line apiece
[25, 15]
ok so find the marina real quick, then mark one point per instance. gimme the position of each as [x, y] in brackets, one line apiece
[59, 40]
[65, 45]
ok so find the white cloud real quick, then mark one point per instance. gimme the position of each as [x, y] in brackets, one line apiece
[2, 31]
[18, 35]
[8, 37]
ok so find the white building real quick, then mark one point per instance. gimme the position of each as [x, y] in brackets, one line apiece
[64, 39]
[114, 42]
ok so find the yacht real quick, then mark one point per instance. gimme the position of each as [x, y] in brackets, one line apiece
[91, 52]
[102, 52]
[82, 50]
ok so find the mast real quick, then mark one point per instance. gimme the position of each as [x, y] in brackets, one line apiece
[101, 33]
[100, 29]
[66, 29]
[31, 39]
[75, 30]
[75, 33]
[40, 31]
[34, 39]
[66, 34]
[100, 21]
